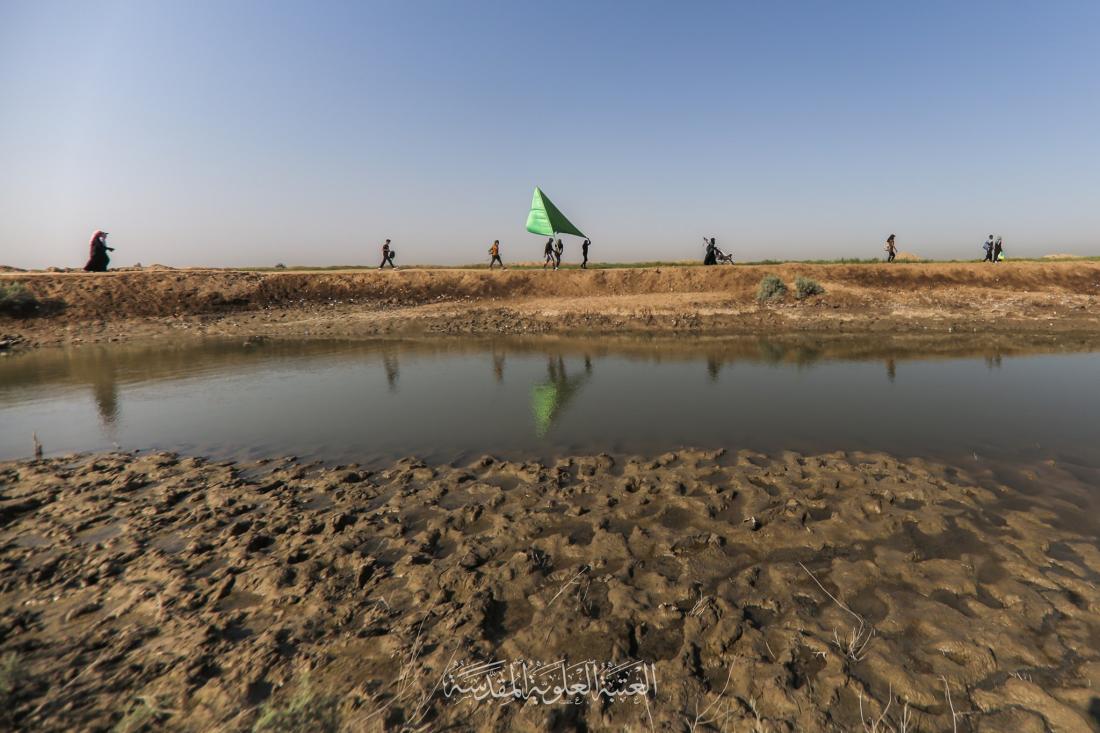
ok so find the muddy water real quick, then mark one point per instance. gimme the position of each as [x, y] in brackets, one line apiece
[446, 400]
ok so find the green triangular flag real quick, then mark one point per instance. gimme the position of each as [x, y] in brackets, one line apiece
[545, 218]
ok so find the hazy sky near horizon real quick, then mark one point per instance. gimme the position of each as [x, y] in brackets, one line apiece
[247, 132]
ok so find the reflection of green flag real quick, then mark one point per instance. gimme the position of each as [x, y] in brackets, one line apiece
[545, 218]
[544, 399]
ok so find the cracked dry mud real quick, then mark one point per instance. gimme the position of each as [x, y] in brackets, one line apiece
[188, 595]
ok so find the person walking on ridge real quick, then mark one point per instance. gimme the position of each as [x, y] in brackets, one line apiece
[584, 253]
[548, 253]
[891, 249]
[988, 247]
[387, 256]
[494, 253]
[558, 249]
[97, 253]
[998, 251]
[711, 256]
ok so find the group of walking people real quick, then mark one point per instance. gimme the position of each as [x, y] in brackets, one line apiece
[552, 253]
[994, 249]
[98, 258]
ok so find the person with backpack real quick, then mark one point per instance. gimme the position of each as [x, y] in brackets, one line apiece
[387, 256]
[998, 251]
[988, 247]
[548, 253]
[584, 253]
[494, 253]
[891, 249]
[558, 249]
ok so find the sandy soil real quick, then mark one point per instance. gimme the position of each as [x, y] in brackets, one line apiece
[1050, 297]
[769, 593]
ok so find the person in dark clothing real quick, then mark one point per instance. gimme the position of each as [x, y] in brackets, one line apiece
[548, 253]
[387, 256]
[891, 249]
[494, 252]
[998, 251]
[558, 249]
[584, 253]
[988, 247]
[711, 257]
[97, 253]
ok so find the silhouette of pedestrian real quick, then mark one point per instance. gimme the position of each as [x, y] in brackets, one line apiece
[97, 253]
[711, 257]
[387, 256]
[494, 251]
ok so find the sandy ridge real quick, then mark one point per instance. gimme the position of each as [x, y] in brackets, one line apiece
[1057, 297]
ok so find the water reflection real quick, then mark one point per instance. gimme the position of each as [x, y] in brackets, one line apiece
[105, 389]
[714, 366]
[550, 398]
[389, 363]
[342, 400]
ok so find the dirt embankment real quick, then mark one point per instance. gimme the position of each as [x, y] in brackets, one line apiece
[767, 593]
[901, 297]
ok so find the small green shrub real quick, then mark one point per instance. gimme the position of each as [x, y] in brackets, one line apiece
[135, 719]
[147, 713]
[771, 287]
[16, 300]
[804, 287]
[305, 712]
[11, 674]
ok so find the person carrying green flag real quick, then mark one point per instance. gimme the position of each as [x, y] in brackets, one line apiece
[547, 219]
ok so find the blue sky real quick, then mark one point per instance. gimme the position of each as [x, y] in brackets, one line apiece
[232, 133]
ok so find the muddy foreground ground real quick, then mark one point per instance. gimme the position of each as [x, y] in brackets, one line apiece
[946, 298]
[796, 592]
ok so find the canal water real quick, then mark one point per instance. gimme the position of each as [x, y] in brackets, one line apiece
[442, 400]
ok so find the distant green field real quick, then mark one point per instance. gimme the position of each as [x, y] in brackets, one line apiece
[637, 265]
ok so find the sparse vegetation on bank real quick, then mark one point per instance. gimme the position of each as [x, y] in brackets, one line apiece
[770, 288]
[804, 287]
[16, 300]
[1049, 296]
